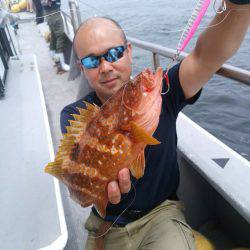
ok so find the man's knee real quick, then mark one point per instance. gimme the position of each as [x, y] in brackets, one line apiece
[185, 235]
[169, 234]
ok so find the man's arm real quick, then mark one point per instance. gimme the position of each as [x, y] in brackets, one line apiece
[214, 46]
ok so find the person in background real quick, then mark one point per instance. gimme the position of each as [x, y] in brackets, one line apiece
[58, 39]
[39, 11]
[30, 6]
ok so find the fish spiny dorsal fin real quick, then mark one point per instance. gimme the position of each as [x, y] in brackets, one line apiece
[78, 118]
[91, 107]
[65, 148]
[81, 110]
[73, 130]
[76, 124]
[140, 135]
[67, 144]
[61, 156]
[67, 136]
[55, 169]
[86, 115]
[67, 141]
[137, 167]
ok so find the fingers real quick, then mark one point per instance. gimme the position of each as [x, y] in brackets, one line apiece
[124, 180]
[114, 193]
[115, 190]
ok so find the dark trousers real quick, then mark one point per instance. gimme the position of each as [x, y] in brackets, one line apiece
[58, 39]
[39, 11]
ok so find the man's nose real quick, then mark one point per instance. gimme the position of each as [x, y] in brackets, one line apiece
[105, 66]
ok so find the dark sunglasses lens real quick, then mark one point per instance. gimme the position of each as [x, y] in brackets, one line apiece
[90, 62]
[114, 54]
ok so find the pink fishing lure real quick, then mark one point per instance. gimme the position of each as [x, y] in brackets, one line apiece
[193, 23]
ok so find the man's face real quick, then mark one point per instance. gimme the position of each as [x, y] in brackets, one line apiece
[96, 39]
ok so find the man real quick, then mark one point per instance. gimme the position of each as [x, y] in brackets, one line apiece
[154, 218]
[58, 39]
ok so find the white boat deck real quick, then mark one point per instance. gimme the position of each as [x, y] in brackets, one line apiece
[31, 211]
[25, 151]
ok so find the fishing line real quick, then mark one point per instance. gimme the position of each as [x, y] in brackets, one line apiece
[179, 30]
[147, 20]
[224, 8]
[123, 103]
[119, 216]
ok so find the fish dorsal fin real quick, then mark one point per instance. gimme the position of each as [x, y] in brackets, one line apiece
[87, 114]
[55, 168]
[91, 107]
[140, 135]
[76, 128]
[138, 165]
[65, 149]
[78, 117]
[78, 125]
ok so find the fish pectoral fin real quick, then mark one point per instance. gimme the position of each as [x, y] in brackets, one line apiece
[140, 135]
[55, 169]
[137, 167]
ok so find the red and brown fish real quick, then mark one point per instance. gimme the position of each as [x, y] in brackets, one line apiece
[100, 141]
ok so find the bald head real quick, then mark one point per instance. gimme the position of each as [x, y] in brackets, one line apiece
[93, 29]
[95, 37]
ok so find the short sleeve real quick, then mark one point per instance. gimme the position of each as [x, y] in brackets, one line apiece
[175, 98]
[66, 113]
[65, 116]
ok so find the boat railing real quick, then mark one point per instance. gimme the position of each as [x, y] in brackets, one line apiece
[226, 70]
[7, 50]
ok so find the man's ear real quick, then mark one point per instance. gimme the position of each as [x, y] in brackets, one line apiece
[79, 66]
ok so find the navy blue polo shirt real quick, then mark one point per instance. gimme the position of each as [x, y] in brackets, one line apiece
[161, 177]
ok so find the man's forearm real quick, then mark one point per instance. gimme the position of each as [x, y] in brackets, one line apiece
[218, 43]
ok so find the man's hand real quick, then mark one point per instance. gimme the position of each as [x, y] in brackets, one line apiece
[122, 186]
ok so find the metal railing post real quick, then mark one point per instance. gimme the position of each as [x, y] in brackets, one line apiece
[78, 14]
[66, 23]
[72, 8]
[226, 70]
[156, 61]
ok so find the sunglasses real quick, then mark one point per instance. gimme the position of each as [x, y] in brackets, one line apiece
[112, 55]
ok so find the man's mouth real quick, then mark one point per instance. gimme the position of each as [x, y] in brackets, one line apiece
[109, 82]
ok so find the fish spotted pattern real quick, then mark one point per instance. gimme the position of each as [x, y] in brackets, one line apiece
[100, 141]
